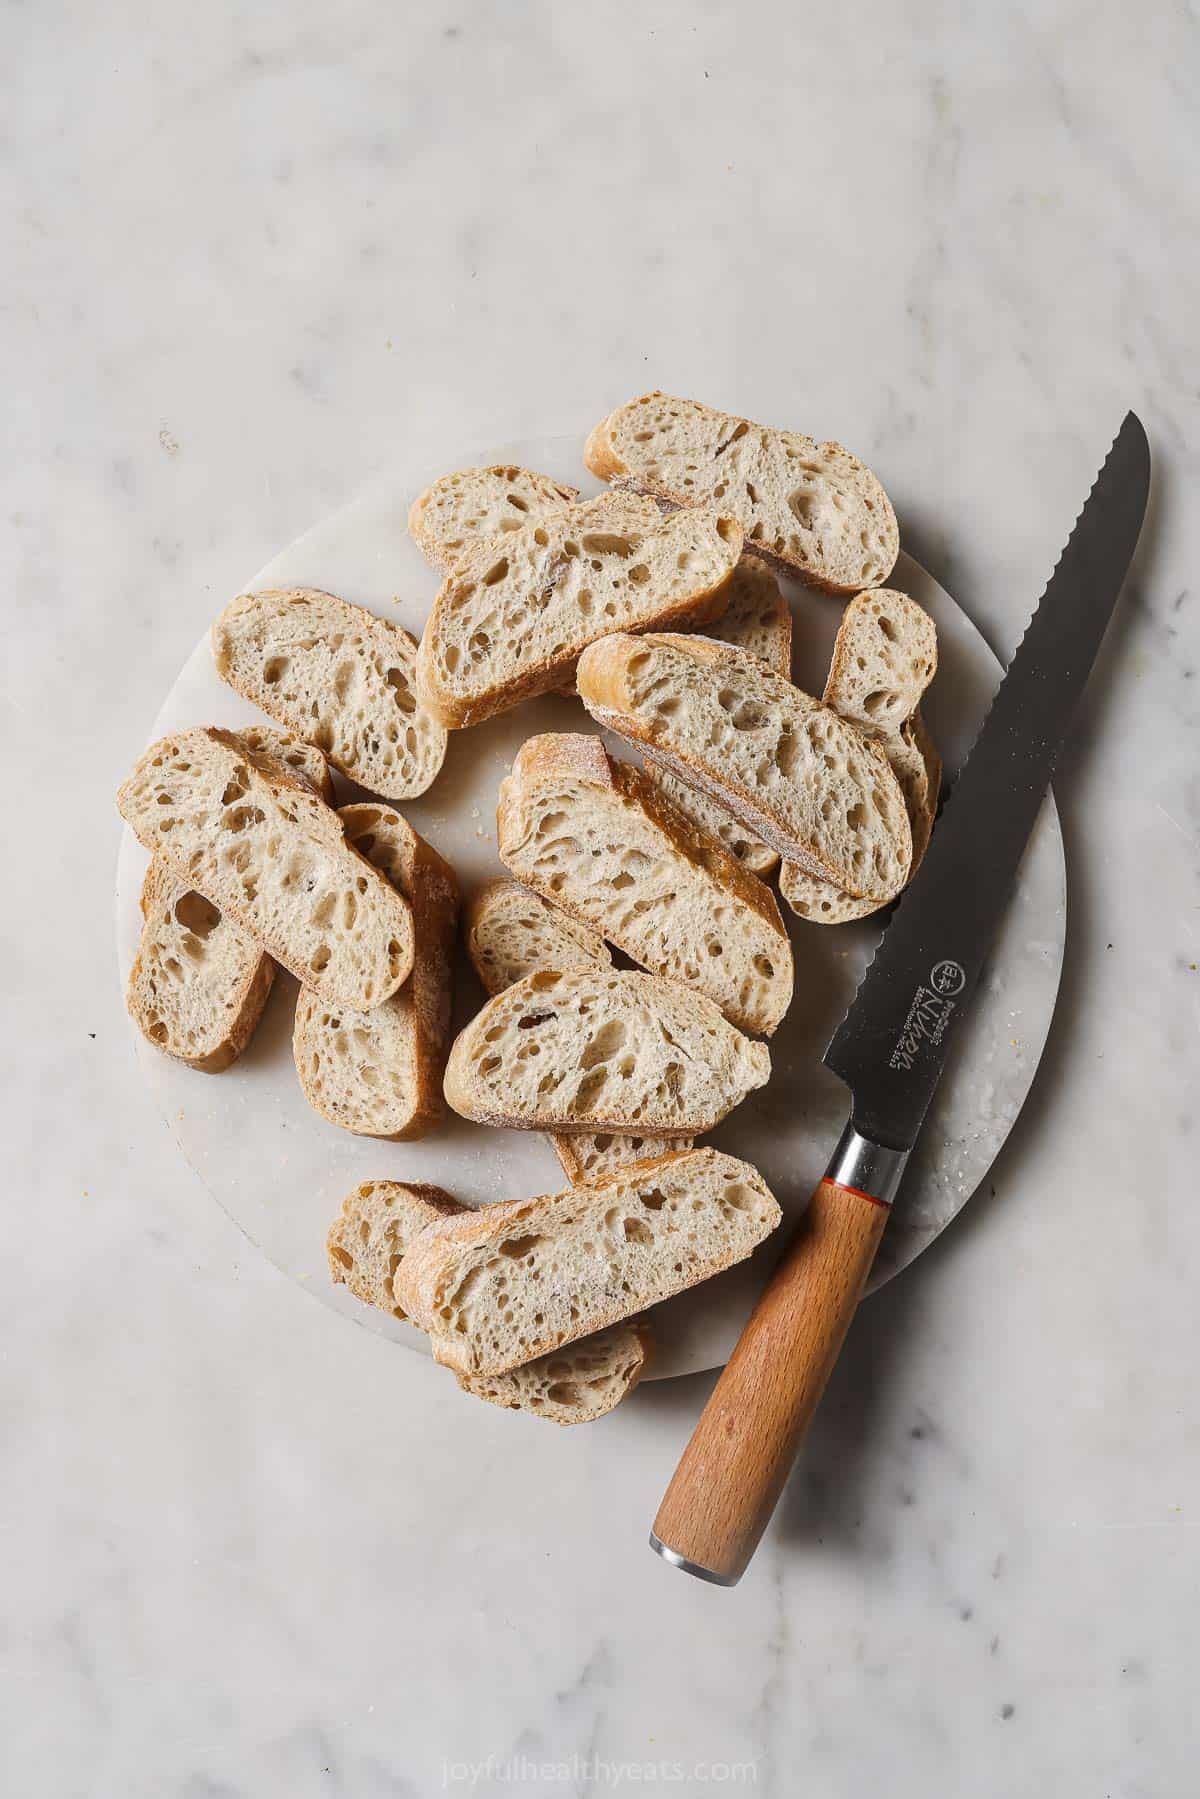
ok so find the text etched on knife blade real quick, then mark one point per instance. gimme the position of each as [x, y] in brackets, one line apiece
[929, 1014]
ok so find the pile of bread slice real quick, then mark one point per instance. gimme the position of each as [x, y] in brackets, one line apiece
[658, 604]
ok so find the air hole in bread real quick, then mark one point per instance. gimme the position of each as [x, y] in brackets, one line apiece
[516, 1248]
[196, 914]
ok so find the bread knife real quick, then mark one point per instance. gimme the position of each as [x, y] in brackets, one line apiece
[893, 1044]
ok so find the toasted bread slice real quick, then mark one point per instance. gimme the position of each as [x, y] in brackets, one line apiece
[575, 1385]
[512, 933]
[795, 773]
[497, 1287]
[602, 1049]
[811, 507]
[476, 505]
[338, 676]
[257, 842]
[598, 838]
[512, 617]
[198, 983]
[378, 1073]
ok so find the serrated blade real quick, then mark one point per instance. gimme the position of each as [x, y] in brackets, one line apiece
[893, 1043]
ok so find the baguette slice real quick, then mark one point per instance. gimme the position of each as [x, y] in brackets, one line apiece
[511, 618]
[379, 1073]
[792, 770]
[884, 657]
[917, 767]
[602, 1050]
[337, 675]
[811, 507]
[598, 838]
[572, 1386]
[512, 933]
[758, 619]
[474, 505]
[712, 819]
[303, 759]
[198, 983]
[498, 1287]
[256, 841]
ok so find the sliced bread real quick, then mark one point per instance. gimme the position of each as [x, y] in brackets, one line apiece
[598, 838]
[473, 505]
[303, 759]
[812, 507]
[338, 676]
[257, 842]
[512, 617]
[794, 772]
[512, 933]
[497, 1287]
[757, 857]
[758, 619]
[378, 1073]
[198, 982]
[602, 1049]
[918, 768]
[575, 1385]
[884, 657]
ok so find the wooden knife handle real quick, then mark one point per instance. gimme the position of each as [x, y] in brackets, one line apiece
[733, 1470]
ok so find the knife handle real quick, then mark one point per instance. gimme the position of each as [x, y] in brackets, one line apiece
[733, 1470]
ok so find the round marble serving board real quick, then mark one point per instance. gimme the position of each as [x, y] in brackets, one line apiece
[281, 1171]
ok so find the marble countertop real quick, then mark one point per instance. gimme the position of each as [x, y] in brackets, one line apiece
[252, 1551]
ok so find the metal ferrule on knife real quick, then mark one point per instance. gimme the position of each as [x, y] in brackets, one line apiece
[870, 1169]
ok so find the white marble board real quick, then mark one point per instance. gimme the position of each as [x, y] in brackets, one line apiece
[281, 1171]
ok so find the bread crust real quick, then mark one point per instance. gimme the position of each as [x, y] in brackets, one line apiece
[601, 456]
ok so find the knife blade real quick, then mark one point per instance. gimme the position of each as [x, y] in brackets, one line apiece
[894, 1041]
[892, 1045]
